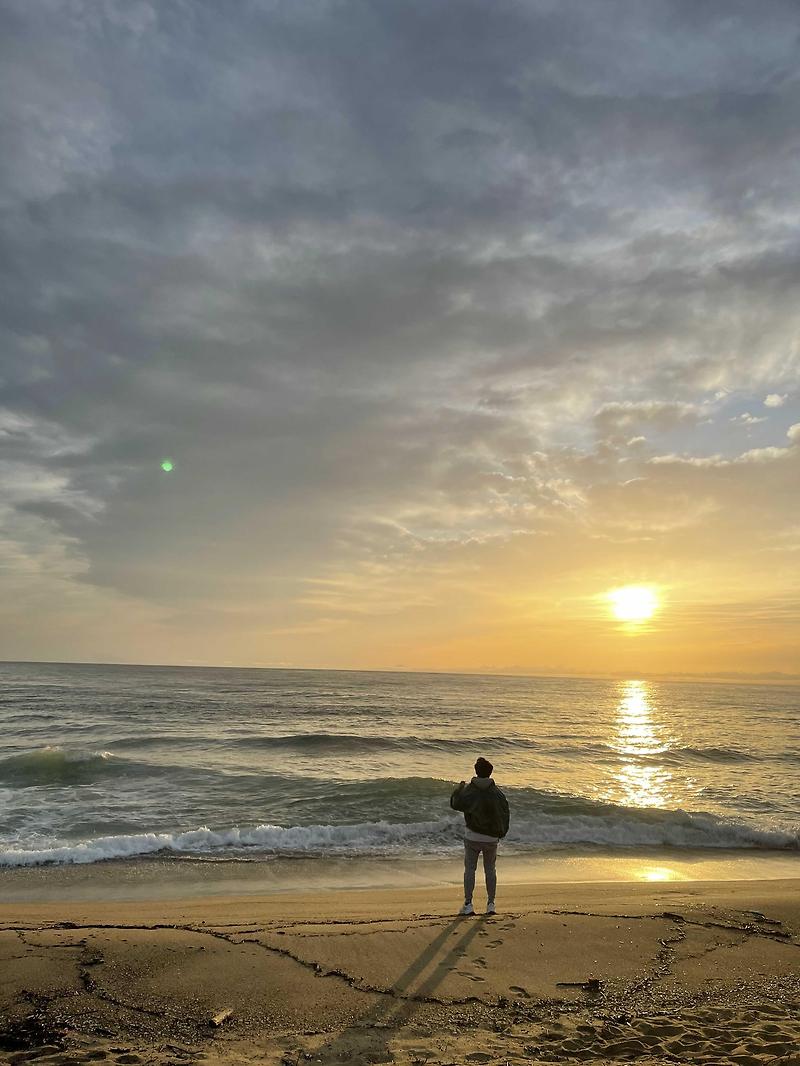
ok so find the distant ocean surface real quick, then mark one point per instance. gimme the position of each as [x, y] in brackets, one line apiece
[98, 762]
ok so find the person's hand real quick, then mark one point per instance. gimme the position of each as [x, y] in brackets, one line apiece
[461, 784]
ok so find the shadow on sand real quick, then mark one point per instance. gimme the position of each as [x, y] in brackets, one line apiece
[395, 1010]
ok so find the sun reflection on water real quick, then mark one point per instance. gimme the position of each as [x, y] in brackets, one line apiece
[637, 740]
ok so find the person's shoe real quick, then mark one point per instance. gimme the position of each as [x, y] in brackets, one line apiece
[490, 907]
[467, 909]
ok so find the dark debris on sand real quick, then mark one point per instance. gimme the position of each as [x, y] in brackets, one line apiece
[27, 1034]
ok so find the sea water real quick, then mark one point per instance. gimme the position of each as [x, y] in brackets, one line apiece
[98, 762]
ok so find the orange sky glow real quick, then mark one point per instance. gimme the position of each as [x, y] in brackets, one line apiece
[360, 343]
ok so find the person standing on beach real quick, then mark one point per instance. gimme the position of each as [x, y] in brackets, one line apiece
[485, 811]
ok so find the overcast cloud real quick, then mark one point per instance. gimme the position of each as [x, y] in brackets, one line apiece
[431, 304]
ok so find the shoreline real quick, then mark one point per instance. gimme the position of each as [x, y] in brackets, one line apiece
[155, 877]
[687, 971]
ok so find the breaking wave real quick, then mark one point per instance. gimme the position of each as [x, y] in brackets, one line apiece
[55, 766]
[555, 820]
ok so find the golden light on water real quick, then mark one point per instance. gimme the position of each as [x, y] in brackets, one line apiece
[637, 739]
[633, 603]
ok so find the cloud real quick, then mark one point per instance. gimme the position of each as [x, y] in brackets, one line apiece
[746, 419]
[395, 286]
[622, 418]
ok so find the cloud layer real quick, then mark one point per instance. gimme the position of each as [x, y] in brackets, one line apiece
[448, 319]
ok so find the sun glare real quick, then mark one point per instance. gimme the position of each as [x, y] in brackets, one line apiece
[660, 873]
[633, 603]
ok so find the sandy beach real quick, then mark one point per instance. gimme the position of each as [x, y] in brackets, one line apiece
[687, 971]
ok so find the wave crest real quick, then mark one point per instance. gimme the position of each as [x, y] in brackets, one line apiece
[55, 766]
[565, 821]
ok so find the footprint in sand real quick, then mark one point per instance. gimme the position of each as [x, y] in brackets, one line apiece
[478, 1056]
[495, 944]
[520, 991]
[470, 976]
[480, 961]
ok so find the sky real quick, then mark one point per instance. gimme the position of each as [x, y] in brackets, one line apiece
[449, 316]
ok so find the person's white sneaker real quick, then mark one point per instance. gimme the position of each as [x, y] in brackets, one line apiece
[490, 907]
[467, 909]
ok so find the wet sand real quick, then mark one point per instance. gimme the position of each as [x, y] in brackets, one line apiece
[686, 971]
[161, 877]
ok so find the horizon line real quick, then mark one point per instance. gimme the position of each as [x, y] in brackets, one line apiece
[720, 676]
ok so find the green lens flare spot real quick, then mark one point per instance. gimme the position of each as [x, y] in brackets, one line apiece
[166, 465]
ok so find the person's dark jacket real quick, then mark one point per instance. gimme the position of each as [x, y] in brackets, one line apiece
[484, 805]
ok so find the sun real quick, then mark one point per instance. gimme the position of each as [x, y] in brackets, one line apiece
[633, 603]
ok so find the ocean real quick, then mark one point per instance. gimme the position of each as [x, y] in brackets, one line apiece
[103, 762]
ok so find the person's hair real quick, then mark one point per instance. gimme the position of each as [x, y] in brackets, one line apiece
[483, 768]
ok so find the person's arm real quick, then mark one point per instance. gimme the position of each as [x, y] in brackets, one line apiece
[455, 799]
[505, 816]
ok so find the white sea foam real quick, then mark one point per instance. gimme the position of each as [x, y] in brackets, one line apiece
[364, 839]
[623, 830]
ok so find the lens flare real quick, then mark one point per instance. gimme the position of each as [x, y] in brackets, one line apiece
[166, 465]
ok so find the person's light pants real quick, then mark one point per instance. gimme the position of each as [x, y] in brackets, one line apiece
[472, 849]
